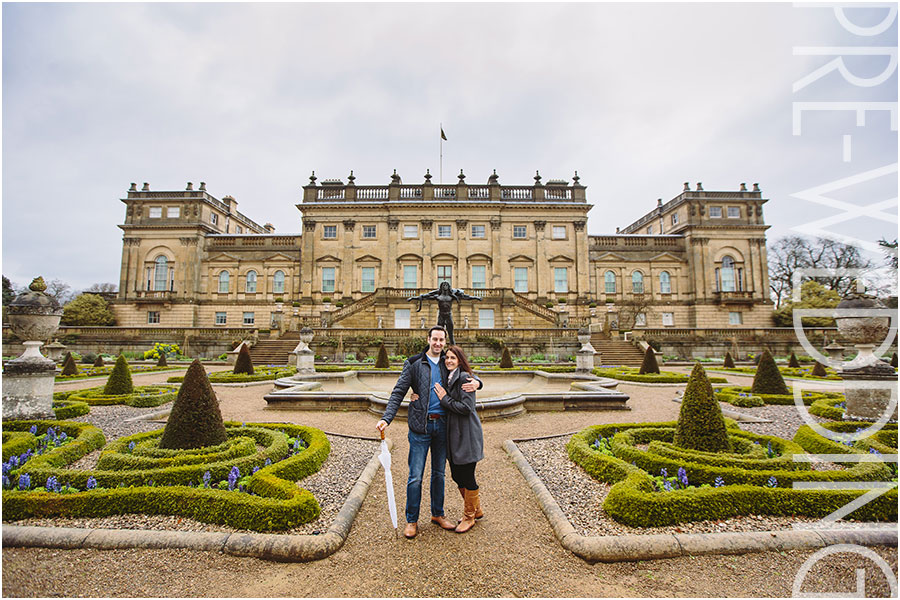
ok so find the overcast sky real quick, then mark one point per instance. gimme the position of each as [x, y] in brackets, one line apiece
[252, 97]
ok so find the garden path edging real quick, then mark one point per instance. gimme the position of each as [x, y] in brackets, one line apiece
[267, 546]
[627, 548]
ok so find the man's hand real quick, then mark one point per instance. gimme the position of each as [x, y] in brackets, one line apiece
[413, 397]
[381, 425]
[470, 386]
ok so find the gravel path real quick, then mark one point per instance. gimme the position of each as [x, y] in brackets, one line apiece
[511, 552]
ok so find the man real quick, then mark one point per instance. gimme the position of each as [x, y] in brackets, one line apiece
[427, 427]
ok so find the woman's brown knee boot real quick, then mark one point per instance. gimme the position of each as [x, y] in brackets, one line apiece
[468, 521]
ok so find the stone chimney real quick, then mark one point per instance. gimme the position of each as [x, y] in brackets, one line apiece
[231, 203]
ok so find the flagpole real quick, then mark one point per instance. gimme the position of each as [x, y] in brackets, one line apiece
[442, 154]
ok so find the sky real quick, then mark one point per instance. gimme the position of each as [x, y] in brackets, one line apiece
[251, 98]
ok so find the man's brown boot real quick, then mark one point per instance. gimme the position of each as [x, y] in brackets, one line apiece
[468, 520]
[411, 530]
[442, 521]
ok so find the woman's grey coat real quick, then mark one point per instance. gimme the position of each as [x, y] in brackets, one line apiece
[465, 440]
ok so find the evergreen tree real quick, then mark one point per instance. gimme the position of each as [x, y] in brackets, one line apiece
[161, 361]
[382, 362]
[243, 364]
[768, 379]
[649, 365]
[818, 370]
[894, 360]
[69, 367]
[729, 361]
[793, 362]
[700, 422]
[119, 381]
[506, 359]
[195, 420]
[98, 362]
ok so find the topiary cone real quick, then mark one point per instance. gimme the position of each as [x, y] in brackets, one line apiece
[894, 360]
[69, 367]
[119, 381]
[99, 361]
[819, 371]
[382, 362]
[505, 359]
[161, 361]
[700, 422]
[768, 379]
[793, 362]
[729, 362]
[195, 420]
[243, 364]
[649, 365]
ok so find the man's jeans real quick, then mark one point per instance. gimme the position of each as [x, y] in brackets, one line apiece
[419, 444]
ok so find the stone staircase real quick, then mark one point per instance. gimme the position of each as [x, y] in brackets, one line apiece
[616, 352]
[275, 352]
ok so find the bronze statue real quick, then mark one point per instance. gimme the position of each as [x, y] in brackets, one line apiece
[444, 295]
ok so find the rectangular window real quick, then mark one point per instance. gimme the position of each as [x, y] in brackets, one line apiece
[410, 277]
[735, 318]
[327, 279]
[214, 218]
[221, 318]
[520, 232]
[486, 318]
[445, 273]
[368, 279]
[479, 273]
[152, 316]
[674, 218]
[238, 229]
[401, 318]
[329, 232]
[156, 212]
[715, 212]
[650, 230]
[445, 231]
[173, 212]
[559, 232]
[560, 279]
[520, 277]
[668, 319]
[734, 212]
[640, 320]
[477, 231]
[410, 231]
[368, 232]
[249, 318]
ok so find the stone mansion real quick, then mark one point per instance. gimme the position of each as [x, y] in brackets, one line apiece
[192, 260]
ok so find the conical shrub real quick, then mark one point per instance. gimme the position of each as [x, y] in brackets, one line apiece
[729, 362]
[700, 422]
[119, 381]
[69, 367]
[161, 361]
[649, 365]
[894, 360]
[195, 420]
[382, 362]
[506, 359]
[793, 362]
[243, 364]
[819, 370]
[768, 379]
[757, 358]
[98, 362]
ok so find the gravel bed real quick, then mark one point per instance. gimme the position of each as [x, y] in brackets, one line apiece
[114, 422]
[785, 419]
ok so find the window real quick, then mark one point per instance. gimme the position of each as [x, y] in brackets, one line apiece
[668, 319]
[173, 212]
[637, 283]
[160, 274]
[368, 279]
[478, 231]
[221, 318]
[368, 232]
[727, 274]
[560, 279]
[650, 230]
[327, 279]
[445, 273]
[410, 231]
[715, 212]
[249, 318]
[214, 218]
[152, 317]
[640, 320]
[559, 232]
[674, 218]
[250, 285]
[485, 318]
[401, 318]
[238, 229]
[736, 318]
[520, 232]
[665, 283]
[520, 279]
[156, 212]
[734, 212]
[479, 273]
[278, 282]
[410, 277]
[609, 282]
[445, 231]
[223, 282]
[329, 232]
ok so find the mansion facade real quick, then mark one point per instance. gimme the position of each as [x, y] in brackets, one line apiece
[192, 260]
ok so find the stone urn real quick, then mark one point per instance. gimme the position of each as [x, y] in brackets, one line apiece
[584, 358]
[865, 329]
[303, 354]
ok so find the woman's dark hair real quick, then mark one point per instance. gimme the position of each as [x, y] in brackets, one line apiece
[461, 356]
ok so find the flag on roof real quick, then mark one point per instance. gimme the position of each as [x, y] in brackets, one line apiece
[443, 135]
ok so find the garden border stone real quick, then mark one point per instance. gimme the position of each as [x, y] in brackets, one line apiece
[629, 548]
[267, 546]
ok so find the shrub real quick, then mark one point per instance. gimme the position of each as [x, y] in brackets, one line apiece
[195, 420]
[259, 374]
[69, 367]
[768, 379]
[412, 345]
[119, 381]
[99, 361]
[700, 422]
[649, 366]
[88, 359]
[818, 370]
[506, 360]
[243, 364]
[383, 362]
[140, 397]
[161, 361]
[894, 360]
[793, 362]
[729, 361]
[69, 409]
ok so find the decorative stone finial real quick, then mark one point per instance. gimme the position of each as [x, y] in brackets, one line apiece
[133, 187]
[37, 285]
[351, 178]
[312, 178]
[743, 187]
[755, 187]
[617, 230]
[395, 179]
[537, 178]
[699, 186]
[687, 186]
[190, 186]
[659, 203]
[202, 186]
[428, 175]
[462, 176]
[576, 179]
[146, 187]
[493, 179]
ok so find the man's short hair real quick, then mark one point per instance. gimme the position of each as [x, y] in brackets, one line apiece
[438, 328]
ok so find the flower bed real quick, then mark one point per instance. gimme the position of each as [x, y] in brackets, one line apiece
[744, 396]
[232, 484]
[829, 408]
[142, 397]
[799, 373]
[265, 373]
[104, 371]
[633, 374]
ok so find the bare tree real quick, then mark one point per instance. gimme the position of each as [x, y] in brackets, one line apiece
[60, 291]
[890, 251]
[102, 288]
[631, 310]
[792, 253]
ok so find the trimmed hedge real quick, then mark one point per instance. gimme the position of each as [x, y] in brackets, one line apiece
[732, 395]
[826, 408]
[144, 396]
[259, 374]
[382, 362]
[69, 367]
[69, 409]
[768, 379]
[195, 420]
[729, 361]
[243, 365]
[632, 374]
[506, 361]
[119, 382]
[17, 442]
[818, 370]
[701, 426]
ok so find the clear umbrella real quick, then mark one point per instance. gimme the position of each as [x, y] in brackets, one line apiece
[385, 458]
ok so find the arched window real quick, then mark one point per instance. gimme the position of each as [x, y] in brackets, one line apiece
[665, 283]
[727, 274]
[223, 282]
[609, 282]
[637, 282]
[160, 274]
[250, 286]
[278, 282]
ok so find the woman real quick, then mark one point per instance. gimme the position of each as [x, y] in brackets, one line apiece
[464, 437]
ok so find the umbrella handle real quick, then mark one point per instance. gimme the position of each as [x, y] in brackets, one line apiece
[382, 434]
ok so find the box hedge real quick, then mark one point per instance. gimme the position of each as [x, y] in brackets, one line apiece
[119, 382]
[632, 374]
[141, 397]
[743, 396]
[266, 373]
[69, 409]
